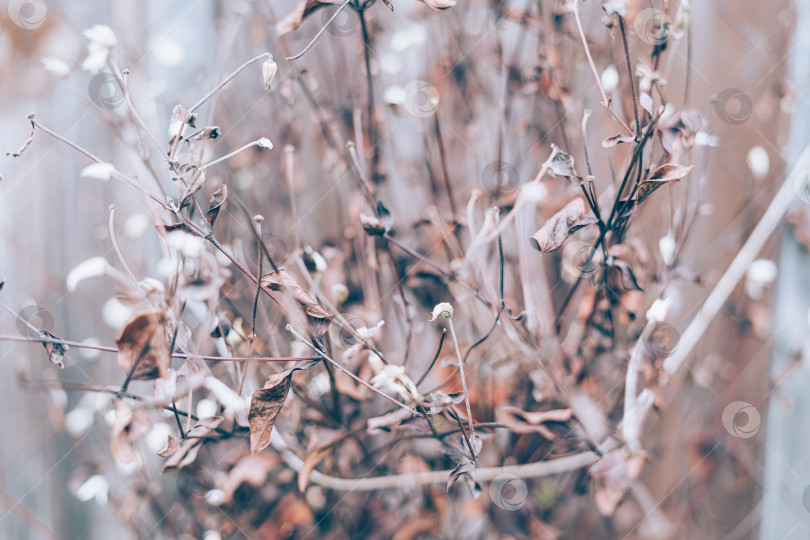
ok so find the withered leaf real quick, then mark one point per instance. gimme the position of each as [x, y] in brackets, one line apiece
[562, 164]
[556, 230]
[317, 317]
[297, 16]
[217, 200]
[613, 474]
[521, 421]
[311, 461]
[265, 405]
[378, 424]
[264, 408]
[610, 142]
[465, 471]
[56, 351]
[172, 444]
[128, 426]
[143, 350]
[440, 4]
[388, 4]
[628, 278]
[186, 454]
[659, 177]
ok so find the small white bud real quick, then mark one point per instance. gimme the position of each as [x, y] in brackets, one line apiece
[761, 273]
[659, 310]
[56, 66]
[444, 309]
[667, 247]
[340, 293]
[101, 34]
[99, 171]
[264, 142]
[269, 69]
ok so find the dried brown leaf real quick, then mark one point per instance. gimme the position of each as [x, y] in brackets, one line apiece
[172, 444]
[552, 235]
[56, 351]
[659, 177]
[521, 421]
[297, 16]
[610, 142]
[143, 350]
[217, 200]
[317, 317]
[128, 426]
[613, 474]
[440, 4]
[562, 164]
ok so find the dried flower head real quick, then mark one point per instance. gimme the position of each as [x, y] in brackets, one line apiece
[444, 309]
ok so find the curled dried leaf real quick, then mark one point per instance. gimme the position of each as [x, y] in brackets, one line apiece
[143, 350]
[56, 351]
[216, 202]
[562, 164]
[317, 317]
[304, 10]
[619, 138]
[266, 404]
[660, 176]
[552, 235]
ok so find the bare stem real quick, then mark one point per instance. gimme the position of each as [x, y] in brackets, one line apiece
[463, 385]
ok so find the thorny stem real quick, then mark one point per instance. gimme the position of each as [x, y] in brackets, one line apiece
[463, 385]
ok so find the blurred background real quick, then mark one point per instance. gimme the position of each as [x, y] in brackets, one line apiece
[466, 104]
